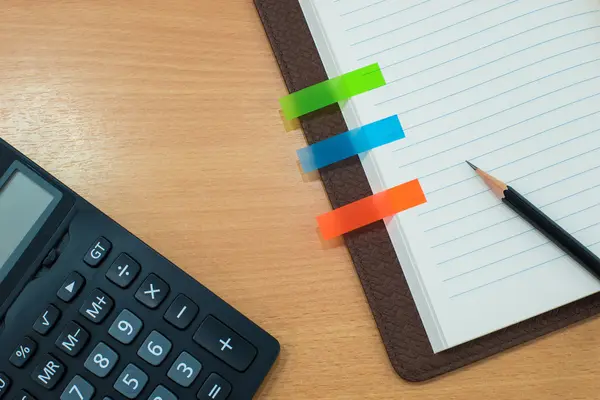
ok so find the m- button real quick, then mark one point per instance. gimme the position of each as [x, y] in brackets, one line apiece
[224, 343]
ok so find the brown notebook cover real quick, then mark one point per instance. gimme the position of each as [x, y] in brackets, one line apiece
[371, 248]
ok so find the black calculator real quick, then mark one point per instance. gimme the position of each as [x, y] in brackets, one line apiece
[88, 311]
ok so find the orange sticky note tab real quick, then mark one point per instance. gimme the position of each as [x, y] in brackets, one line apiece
[370, 209]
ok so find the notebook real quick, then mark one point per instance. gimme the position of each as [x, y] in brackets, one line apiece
[513, 86]
[509, 85]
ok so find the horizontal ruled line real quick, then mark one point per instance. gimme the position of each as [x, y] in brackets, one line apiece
[519, 234]
[516, 273]
[391, 82]
[414, 23]
[480, 156]
[526, 250]
[490, 116]
[527, 193]
[454, 25]
[380, 18]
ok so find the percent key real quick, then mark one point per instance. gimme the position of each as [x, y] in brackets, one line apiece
[23, 353]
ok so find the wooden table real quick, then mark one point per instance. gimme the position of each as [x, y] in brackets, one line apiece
[164, 114]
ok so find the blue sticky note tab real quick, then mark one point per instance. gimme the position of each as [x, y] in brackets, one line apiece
[350, 143]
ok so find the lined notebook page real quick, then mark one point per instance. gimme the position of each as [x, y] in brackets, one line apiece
[514, 87]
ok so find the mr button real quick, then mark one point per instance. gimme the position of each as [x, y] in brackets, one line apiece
[49, 372]
[224, 343]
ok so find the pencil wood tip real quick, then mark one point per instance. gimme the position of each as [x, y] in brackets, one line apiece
[471, 165]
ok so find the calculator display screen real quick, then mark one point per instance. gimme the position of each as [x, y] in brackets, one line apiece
[24, 206]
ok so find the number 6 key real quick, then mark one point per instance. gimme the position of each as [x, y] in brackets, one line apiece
[155, 349]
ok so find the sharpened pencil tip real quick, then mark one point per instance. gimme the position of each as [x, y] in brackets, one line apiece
[471, 165]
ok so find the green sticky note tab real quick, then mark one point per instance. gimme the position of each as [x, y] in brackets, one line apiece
[332, 91]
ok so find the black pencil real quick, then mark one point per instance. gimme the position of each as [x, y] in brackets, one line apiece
[542, 222]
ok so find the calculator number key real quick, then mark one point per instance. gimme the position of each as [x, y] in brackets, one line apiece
[215, 388]
[102, 360]
[23, 353]
[78, 389]
[4, 384]
[155, 349]
[162, 393]
[98, 252]
[131, 382]
[126, 327]
[185, 370]
[47, 320]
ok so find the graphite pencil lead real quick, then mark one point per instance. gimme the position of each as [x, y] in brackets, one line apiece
[471, 165]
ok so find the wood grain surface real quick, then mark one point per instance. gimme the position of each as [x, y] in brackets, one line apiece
[164, 114]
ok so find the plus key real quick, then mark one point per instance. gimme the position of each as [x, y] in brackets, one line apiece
[226, 344]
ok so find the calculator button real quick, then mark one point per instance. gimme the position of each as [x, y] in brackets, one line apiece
[182, 312]
[97, 306]
[72, 339]
[126, 327]
[224, 343]
[131, 382]
[47, 320]
[185, 370]
[101, 361]
[78, 389]
[71, 287]
[4, 384]
[48, 372]
[107, 398]
[98, 252]
[155, 349]
[162, 393]
[23, 395]
[23, 353]
[152, 292]
[123, 271]
[215, 388]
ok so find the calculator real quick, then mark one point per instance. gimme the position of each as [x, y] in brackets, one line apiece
[89, 311]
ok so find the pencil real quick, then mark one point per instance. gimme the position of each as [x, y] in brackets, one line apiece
[542, 222]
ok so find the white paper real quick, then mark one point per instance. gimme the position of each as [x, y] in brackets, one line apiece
[514, 87]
